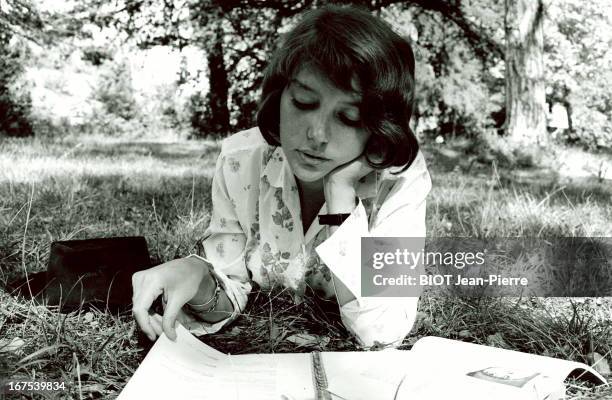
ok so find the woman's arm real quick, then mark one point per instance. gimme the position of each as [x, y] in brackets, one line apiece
[402, 214]
[340, 199]
[224, 247]
[206, 292]
[373, 319]
[190, 279]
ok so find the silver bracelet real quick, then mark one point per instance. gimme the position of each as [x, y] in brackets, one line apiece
[214, 299]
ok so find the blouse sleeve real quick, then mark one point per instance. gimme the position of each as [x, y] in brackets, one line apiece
[224, 247]
[385, 320]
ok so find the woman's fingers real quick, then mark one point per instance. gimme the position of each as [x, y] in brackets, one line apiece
[350, 172]
[173, 280]
[141, 303]
[156, 322]
[169, 319]
[140, 311]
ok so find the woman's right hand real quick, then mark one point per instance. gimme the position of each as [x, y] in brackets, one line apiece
[177, 281]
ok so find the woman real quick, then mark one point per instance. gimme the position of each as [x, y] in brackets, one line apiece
[332, 159]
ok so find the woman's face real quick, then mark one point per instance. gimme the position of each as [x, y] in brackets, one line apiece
[320, 125]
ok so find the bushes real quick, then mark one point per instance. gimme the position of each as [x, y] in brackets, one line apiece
[115, 91]
[116, 110]
[15, 101]
[14, 113]
[458, 95]
[199, 117]
[590, 127]
[202, 119]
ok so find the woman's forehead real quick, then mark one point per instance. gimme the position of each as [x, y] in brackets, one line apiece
[313, 79]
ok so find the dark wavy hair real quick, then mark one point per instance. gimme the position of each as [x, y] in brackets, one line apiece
[345, 43]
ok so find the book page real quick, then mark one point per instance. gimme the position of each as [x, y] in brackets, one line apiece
[293, 372]
[190, 369]
[468, 357]
[469, 371]
[366, 374]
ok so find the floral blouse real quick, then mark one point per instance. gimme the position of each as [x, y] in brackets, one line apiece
[256, 234]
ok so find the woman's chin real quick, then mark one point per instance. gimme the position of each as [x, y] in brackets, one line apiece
[308, 176]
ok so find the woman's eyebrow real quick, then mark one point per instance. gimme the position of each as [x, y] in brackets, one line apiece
[356, 102]
[302, 85]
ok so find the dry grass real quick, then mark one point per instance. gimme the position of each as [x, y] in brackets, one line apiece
[69, 190]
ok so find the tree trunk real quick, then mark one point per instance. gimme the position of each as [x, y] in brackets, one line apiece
[525, 91]
[219, 117]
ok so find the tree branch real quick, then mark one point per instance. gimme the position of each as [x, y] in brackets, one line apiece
[483, 45]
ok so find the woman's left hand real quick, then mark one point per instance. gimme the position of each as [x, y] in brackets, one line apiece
[340, 185]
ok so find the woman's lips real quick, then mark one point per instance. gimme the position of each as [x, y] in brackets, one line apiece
[310, 159]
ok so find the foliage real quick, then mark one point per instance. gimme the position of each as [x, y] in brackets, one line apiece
[577, 55]
[238, 40]
[115, 91]
[199, 114]
[167, 109]
[458, 45]
[15, 102]
[96, 55]
[457, 93]
[254, 34]
[20, 21]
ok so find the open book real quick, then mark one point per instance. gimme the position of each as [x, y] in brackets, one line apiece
[435, 368]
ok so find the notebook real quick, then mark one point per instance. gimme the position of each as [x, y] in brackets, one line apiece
[435, 368]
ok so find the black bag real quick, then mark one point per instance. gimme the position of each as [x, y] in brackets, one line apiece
[92, 272]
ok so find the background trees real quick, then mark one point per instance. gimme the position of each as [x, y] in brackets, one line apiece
[483, 65]
[525, 93]
[19, 20]
[577, 60]
[239, 36]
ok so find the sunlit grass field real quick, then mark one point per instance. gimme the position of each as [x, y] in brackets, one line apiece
[111, 187]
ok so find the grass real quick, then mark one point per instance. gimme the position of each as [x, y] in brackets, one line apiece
[54, 190]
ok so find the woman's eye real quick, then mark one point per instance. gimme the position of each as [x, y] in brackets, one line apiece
[354, 123]
[303, 106]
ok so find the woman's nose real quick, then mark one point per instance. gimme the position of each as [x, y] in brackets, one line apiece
[318, 130]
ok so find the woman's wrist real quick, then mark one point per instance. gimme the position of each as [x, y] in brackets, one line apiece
[209, 304]
[339, 197]
[206, 289]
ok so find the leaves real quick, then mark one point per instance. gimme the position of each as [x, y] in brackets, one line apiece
[577, 56]
[11, 346]
[308, 340]
[497, 340]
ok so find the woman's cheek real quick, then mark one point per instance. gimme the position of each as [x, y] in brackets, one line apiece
[290, 125]
[353, 142]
